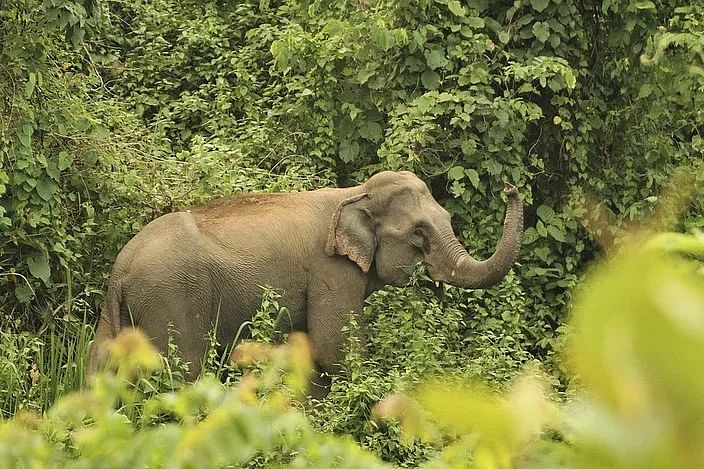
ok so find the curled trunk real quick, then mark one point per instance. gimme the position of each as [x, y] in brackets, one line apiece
[459, 268]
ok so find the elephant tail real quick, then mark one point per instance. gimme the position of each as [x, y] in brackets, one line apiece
[108, 327]
[112, 307]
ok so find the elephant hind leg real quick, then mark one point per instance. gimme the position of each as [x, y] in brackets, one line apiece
[184, 321]
[97, 355]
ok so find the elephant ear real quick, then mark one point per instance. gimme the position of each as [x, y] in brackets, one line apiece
[351, 233]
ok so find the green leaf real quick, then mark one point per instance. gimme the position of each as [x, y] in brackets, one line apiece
[24, 293]
[541, 30]
[130, 179]
[545, 213]
[469, 146]
[64, 160]
[25, 139]
[504, 37]
[570, 79]
[456, 8]
[542, 253]
[530, 235]
[424, 103]
[430, 80]
[456, 173]
[46, 189]
[39, 267]
[540, 227]
[364, 74]
[645, 90]
[556, 233]
[646, 5]
[349, 151]
[435, 58]
[473, 177]
[29, 86]
[539, 5]
[475, 22]
[82, 124]
[53, 171]
[371, 130]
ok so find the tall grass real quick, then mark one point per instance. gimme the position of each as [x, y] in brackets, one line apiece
[38, 368]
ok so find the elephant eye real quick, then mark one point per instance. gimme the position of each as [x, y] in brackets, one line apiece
[418, 238]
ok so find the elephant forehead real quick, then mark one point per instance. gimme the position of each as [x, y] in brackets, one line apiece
[392, 179]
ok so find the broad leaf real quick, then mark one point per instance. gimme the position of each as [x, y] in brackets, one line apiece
[39, 267]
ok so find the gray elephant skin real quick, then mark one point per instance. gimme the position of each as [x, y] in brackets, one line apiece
[325, 250]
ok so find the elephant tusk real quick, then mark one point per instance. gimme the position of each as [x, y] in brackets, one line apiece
[452, 274]
[437, 284]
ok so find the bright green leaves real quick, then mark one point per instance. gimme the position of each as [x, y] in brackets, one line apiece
[645, 5]
[25, 134]
[45, 127]
[365, 73]
[371, 130]
[638, 332]
[495, 429]
[550, 225]
[456, 173]
[553, 72]
[64, 161]
[634, 347]
[458, 176]
[133, 404]
[456, 8]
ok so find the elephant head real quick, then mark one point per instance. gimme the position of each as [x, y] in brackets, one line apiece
[394, 222]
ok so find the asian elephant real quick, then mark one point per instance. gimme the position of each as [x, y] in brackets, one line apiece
[326, 250]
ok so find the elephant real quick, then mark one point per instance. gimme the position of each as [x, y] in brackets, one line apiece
[327, 250]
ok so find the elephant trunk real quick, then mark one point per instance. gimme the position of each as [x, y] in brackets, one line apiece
[461, 269]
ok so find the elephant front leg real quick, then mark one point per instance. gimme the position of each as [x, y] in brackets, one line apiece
[328, 313]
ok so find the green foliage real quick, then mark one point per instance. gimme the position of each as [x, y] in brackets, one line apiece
[47, 139]
[633, 347]
[35, 370]
[211, 425]
[169, 104]
[113, 113]
[268, 320]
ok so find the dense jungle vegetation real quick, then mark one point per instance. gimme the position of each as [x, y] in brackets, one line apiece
[113, 113]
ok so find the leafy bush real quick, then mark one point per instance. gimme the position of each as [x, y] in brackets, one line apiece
[210, 424]
[634, 347]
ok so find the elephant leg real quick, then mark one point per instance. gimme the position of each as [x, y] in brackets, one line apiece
[98, 349]
[189, 332]
[328, 314]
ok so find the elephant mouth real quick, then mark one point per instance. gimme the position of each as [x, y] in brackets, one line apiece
[437, 287]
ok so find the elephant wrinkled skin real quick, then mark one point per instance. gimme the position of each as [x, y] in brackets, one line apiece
[326, 250]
